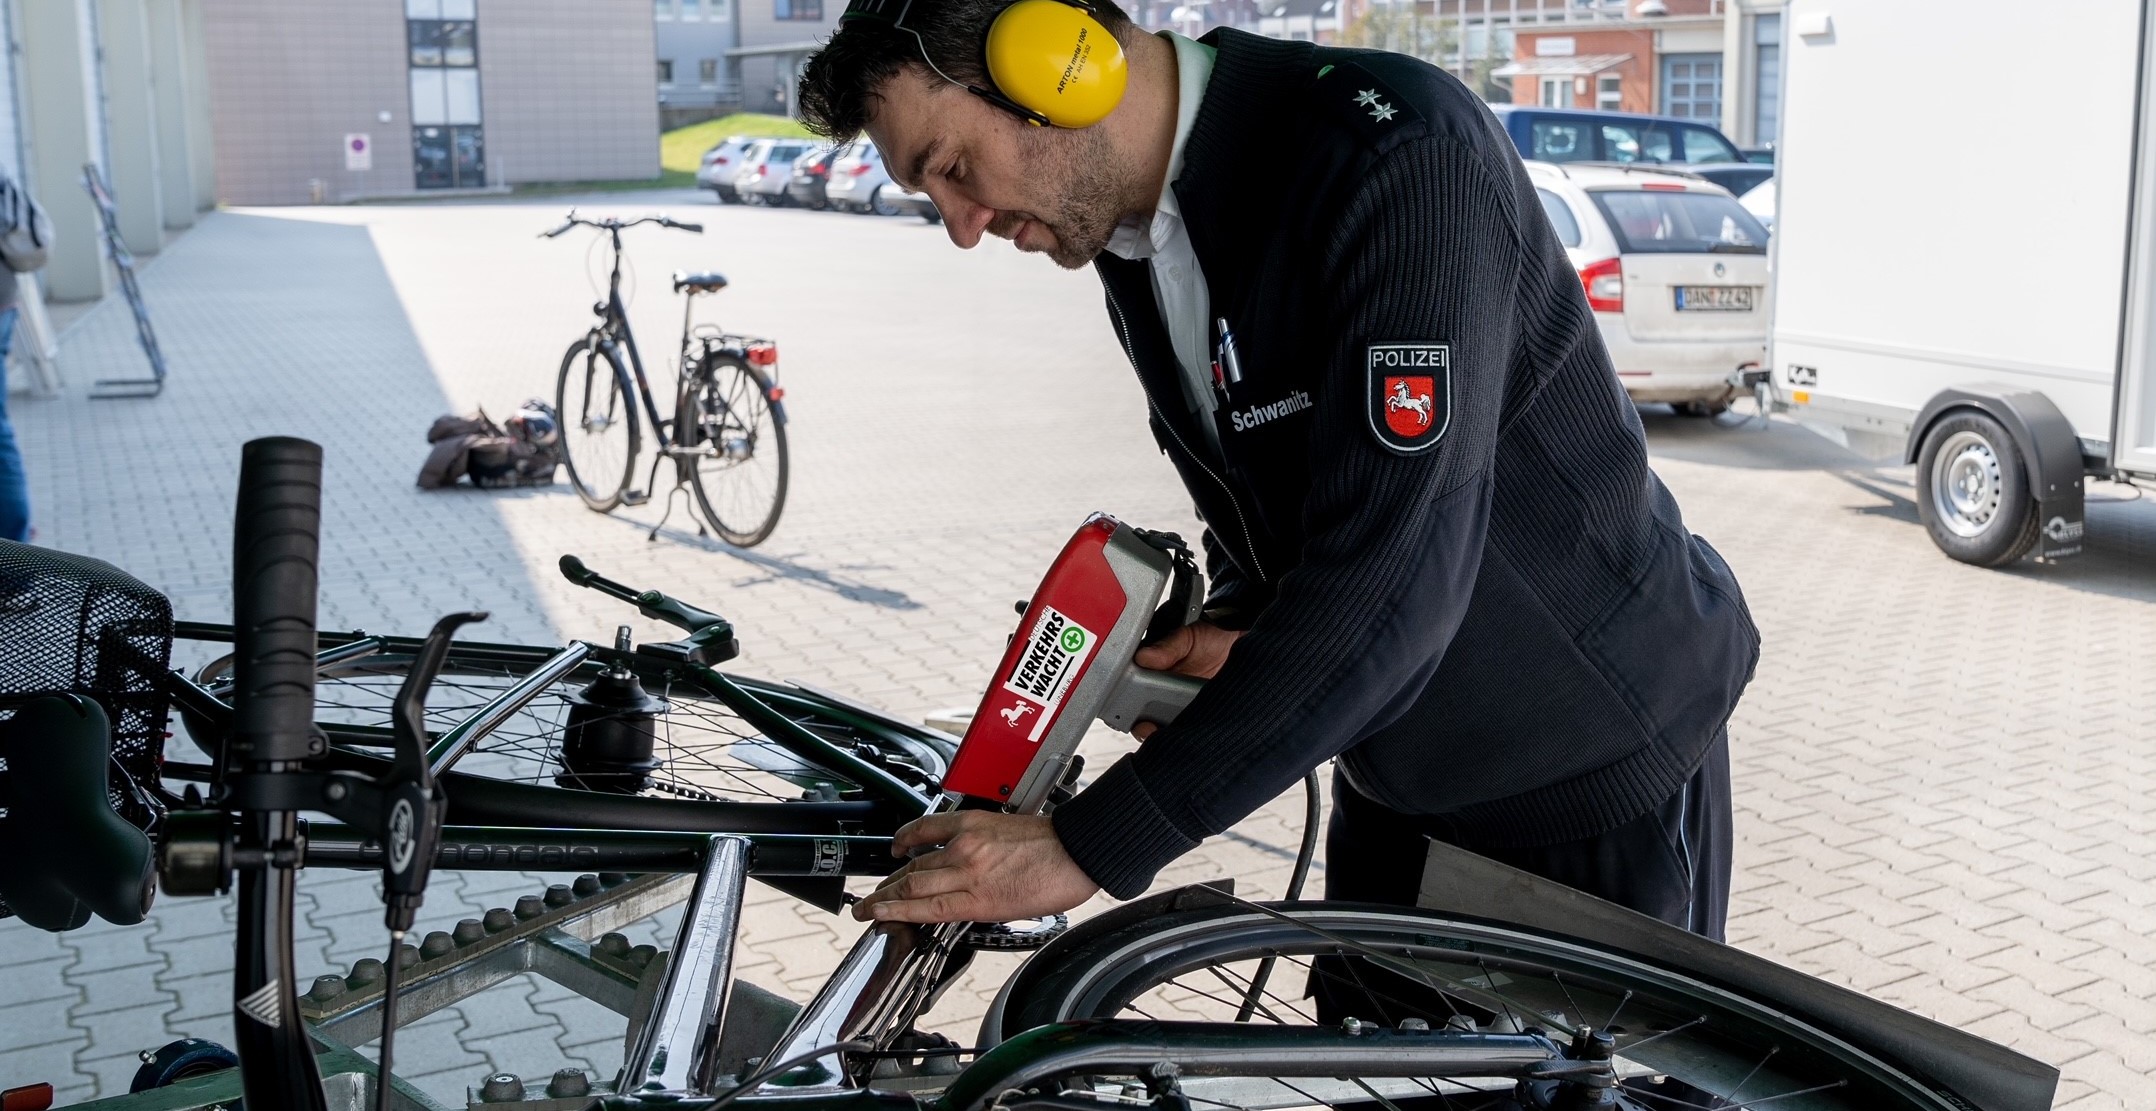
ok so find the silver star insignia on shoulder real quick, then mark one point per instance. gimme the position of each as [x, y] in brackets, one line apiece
[1366, 98]
[1383, 112]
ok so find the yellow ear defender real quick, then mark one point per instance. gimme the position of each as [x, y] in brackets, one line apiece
[1050, 62]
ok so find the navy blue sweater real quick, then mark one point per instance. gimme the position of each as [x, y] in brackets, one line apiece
[1432, 508]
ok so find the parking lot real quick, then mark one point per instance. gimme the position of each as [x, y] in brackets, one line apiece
[1942, 773]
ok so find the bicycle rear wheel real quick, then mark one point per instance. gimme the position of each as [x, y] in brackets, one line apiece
[739, 436]
[1679, 1042]
[587, 741]
[599, 435]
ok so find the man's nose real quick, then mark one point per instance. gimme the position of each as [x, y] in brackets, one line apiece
[964, 221]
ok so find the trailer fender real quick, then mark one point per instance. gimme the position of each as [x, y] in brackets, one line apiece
[2047, 444]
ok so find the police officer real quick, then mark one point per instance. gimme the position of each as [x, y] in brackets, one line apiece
[1437, 551]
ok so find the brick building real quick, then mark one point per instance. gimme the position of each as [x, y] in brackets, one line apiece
[1660, 56]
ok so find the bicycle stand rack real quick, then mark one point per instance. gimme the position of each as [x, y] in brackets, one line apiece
[568, 934]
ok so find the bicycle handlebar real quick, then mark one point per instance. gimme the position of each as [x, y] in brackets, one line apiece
[611, 224]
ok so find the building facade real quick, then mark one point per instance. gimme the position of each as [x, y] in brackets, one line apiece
[115, 84]
[697, 80]
[318, 101]
[1658, 56]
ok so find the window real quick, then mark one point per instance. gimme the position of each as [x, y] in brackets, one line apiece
[443, 42]
[1558, 141]
[707, 71]
[1627, 142]
[692, 9]
[1692, 86]
[662, 9]
[806, 10]
[1702, 145]
[1556, 92]
[666, 71]
[1609, 92]
[442, 52]
[1767, 70]
[1662, 223]
[1566, 225]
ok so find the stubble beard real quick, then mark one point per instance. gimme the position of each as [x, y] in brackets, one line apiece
[1089, 208]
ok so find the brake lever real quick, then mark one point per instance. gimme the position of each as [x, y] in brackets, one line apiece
[412, 808]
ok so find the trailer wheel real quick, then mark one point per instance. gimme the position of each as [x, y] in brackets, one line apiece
[1973, 491]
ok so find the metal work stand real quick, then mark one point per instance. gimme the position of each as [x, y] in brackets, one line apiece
[681, 1034]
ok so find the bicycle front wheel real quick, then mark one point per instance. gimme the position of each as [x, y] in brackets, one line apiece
[739, 437]
[599, 437]
[1679, 1042]
[585, 744]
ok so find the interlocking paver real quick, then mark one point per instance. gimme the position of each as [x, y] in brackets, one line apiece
[1928, 807]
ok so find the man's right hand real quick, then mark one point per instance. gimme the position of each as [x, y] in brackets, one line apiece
[1198, 650]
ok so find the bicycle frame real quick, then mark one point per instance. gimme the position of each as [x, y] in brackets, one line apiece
[614, 324]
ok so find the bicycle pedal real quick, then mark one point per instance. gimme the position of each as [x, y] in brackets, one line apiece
[635, 497]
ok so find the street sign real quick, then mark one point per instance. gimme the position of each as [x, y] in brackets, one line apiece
[358, 151]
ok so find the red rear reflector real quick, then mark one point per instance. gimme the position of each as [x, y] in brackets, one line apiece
[764, 354]
[1662, 186]
[1604, 283]
[778, 393]
[29, 1097]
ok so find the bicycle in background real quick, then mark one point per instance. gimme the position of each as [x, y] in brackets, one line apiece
[727, 434]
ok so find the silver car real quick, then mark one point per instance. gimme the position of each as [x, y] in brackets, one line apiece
[766, 168]
[859, 182]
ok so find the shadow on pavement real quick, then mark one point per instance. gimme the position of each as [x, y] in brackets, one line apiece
[836, 581]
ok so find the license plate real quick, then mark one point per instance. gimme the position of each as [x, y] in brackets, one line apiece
[1714, 298]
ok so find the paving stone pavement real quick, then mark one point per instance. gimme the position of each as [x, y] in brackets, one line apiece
[1942, 772]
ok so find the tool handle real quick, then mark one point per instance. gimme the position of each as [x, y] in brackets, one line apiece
[276, 547]
[1147, 695]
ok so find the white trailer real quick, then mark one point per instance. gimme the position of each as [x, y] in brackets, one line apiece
[1965, 253]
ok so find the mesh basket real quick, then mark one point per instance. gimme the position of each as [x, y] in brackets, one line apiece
[75, 624]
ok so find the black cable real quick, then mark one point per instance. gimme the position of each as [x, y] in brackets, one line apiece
[389, 1019]
[756, 1079]
[1313, 803]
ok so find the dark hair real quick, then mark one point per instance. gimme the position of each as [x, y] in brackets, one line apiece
[841, 79]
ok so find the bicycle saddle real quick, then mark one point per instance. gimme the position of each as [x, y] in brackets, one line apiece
[63, 852]
[709, 281]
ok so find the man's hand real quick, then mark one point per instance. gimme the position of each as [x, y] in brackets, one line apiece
[1198, 650]
[992, 867]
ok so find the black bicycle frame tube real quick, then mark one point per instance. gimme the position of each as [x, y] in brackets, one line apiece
[516, 849]
[444, 753]
[618, 319]
[1131, 1048]
[792, 737]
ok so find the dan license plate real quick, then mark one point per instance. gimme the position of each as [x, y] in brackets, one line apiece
[1714, 298]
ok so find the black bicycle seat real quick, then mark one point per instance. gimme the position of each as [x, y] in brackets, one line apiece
[708, 281]
[64, 853]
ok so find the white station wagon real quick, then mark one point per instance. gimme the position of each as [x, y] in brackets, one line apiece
[1675, 271]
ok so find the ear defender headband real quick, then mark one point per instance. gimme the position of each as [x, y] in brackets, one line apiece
[1050, 62]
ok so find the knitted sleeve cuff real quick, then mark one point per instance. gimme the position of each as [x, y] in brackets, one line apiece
[1117, 834]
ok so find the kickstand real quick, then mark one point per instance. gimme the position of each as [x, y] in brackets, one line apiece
[653, 536]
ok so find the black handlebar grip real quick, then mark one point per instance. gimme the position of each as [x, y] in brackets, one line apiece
[275, 544]
[697, 228]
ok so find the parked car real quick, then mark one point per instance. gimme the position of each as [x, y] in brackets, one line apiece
[767, 167]
[905, 202]
[1737, 177]
[1675, 271]
[1763, 155]
[1760, 202]
[1581, 135]
[858, 179]
[721, 164]
[811, 172]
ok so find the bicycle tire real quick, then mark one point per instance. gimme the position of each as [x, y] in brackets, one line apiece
[597, 376]
[1741, 1051]
[711, 763]
[737, 419]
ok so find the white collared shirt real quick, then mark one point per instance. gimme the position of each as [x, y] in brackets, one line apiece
[1179, 292]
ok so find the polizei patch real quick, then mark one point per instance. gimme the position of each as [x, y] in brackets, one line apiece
[1409, 392]
[1056, 651]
